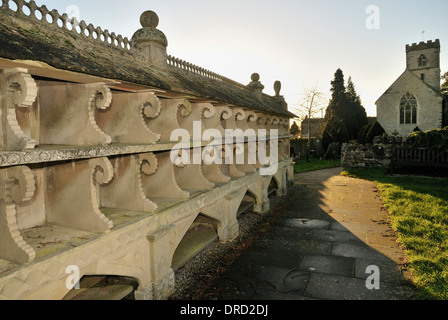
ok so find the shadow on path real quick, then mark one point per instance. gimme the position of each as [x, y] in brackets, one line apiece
[322, 247]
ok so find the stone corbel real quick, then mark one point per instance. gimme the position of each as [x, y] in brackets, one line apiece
[162, 184]
[68, 113]
[190, 177]
[284, 149]
[275, 123]
[73, 194]
[125, 120]
[17, 187]
[250, 157]
[250, 122]
[284, 126]
[17, 90]
[281, 150]
[239, 115]
[230, 162]
[201, 112]
[173, 114]
[263, 122]
[125, 191]
[219, 120]
[212, 170]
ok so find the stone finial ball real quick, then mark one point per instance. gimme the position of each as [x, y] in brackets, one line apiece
[255, 77]
[277, 87]
[149, 19]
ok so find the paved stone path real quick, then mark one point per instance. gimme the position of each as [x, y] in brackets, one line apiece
[321, 248]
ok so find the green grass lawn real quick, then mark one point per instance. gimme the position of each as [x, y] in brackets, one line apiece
[315, 164]
[418, 208]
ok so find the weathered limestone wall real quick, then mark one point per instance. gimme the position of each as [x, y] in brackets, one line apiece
[366, 156]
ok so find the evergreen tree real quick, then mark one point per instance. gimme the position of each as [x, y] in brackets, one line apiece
[335, 131]
[295, 130]
[338, 97]
[357, 117]
[444, 87]
[374, 131]
[346, 105]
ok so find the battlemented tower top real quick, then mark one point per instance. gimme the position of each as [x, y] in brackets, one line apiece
[423, 45]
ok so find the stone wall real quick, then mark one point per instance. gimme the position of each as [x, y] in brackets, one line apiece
[377, 155]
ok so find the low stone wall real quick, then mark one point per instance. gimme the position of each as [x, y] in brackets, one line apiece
[354, 155]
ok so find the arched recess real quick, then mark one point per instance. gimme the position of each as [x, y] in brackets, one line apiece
[290, 175]
[260, 190]
[247, 203]
[103, 287]
[200, 234]
[274, 185]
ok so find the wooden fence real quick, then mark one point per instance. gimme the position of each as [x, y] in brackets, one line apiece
[418, 157]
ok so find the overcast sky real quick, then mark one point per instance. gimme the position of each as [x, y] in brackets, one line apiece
[299, 42]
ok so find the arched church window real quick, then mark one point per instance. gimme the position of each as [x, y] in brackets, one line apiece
[422, 61]
[408, 109]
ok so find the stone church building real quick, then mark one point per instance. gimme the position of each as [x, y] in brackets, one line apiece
[414, 100]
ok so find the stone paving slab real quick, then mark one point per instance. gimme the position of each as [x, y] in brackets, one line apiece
[321, 247]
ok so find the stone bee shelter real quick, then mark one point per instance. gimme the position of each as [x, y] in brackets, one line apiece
[85, 171]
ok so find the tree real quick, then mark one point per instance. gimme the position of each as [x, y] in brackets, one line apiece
[346, 105]
[310, 106]
[374, 131]
[295, 130]
[335, 131]
[444, 87]
[362, 135]
[358, 115]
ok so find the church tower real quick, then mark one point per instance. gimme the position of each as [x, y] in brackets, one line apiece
[423, 60]
[414, 100]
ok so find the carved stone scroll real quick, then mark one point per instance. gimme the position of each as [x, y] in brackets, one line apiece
[172, 116]
[68, 113]
[18, 90]
[190, 176]
[218, 121]
[125, 191]
[249, 156]
[125, 120]
[234, 171]
[238, 115]
[162, 184]
[17, 186]
[249, 122]
[284, 149]
[73, 194]
[200, 113]
[284, 126]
